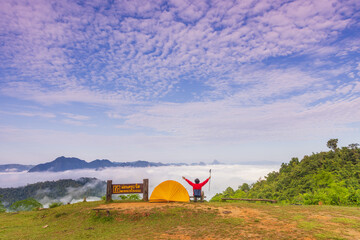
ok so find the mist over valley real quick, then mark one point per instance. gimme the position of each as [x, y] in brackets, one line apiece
[223, 176]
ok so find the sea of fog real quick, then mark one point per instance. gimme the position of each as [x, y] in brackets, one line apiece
[222, 176]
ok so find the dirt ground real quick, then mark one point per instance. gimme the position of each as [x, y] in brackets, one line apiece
[268, 223]
[264, 220]
[228, 211]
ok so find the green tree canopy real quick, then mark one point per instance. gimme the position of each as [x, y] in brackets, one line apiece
[331, 177]
[354, 145]
[332, 144]
[2, 208]
[244, 187]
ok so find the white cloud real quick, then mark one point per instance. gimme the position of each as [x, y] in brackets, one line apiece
[223, 176]
[77, 117]
[147, 55]
[30, 114]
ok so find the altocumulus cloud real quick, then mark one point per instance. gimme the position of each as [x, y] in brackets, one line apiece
[190, 74]
[140, 51]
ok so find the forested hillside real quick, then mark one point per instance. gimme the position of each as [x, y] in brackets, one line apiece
[54, 190]
[327, 178]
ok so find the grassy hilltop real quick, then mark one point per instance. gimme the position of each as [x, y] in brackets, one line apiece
[183, 221]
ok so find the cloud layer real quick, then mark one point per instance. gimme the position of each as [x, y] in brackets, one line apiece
[223, 176]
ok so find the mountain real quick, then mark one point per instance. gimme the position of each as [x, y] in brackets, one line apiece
[63, 164]
[101, 164]
[140, 164]
[215, 162]
[15, 167]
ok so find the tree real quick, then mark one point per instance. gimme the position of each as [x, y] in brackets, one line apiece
[332, 144]
[330, 177]
[354, 145]
[228, 192]
[244, 187]
[2, 208]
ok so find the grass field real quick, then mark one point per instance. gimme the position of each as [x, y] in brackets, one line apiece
[140, 220]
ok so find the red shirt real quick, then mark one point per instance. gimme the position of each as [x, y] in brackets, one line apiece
[197, 186]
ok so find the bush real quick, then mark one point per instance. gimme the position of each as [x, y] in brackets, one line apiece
[123, 197]
[336, 194]
[25, 205]
[55, 204]
[132, 197]
[217, 198]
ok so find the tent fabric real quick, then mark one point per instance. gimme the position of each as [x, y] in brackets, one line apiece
[169, 191]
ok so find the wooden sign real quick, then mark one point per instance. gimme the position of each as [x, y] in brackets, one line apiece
[127, 188]
[130, 188]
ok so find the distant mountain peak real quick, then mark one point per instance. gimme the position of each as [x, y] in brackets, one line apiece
[60, 164]
[215, 162]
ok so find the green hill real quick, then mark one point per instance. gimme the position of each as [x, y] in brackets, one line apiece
[54, 190]
[331, 177]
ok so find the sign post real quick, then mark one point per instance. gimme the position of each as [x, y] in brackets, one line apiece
[145, 190]
[108, 190]
[127, 189]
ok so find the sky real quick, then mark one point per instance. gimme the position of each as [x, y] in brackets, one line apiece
[246, 82]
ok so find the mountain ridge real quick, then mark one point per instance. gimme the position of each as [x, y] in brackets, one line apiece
[15, 167]
[62, 163]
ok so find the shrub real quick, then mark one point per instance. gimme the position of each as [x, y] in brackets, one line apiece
[55, 204]
[123, 197]
[134, 197]
[25, 205]
[217, 198]
[130, 197]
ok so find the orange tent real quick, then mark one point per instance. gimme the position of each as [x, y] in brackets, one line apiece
[169, 191]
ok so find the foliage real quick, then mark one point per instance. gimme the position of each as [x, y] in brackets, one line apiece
[132, 197]
[331, 178]
[332, 144]
[25, 205]
[78, 189]
[55, 204]
[244, 187]
[353, 145]
[2, 208]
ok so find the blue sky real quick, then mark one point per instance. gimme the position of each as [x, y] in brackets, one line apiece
[177, 81]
